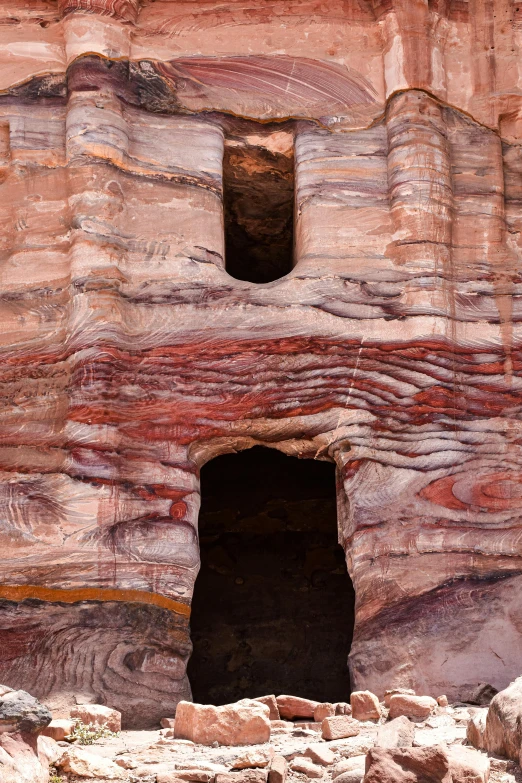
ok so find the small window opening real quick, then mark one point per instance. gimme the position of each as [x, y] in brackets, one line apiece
[258, 186]
[273, 605]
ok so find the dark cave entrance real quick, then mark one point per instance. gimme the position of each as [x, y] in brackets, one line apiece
[273, 606]
[258, 192]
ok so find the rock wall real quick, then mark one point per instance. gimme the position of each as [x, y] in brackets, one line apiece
[130, 357]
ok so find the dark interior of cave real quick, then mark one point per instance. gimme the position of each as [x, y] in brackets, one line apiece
[258, 188]
[273, 606]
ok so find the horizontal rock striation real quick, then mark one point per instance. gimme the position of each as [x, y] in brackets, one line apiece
[130, 356]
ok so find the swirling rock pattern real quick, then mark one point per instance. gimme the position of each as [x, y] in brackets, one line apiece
[129, 356]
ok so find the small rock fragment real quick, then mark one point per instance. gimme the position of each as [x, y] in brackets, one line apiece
[365, 706]
[342, 708]
[354, 764]
[306, 767]
[323, 710]
[281, 725]
[320, 753]
[167, 723]
[411, 706]
[476, 728]
[254, 758]
[58, 729]
[339, 726]
[442, 701]
[278, 769]
[398, 733]
[296, 707]
[243, 776]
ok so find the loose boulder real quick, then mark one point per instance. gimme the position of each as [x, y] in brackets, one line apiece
[58, 729]
[245, 722]
[22, 717]
[339, 727]
[365, 706]
[324, 710]
[398, 733]
[411, 706]
[77, 761]
[467, 765]
[97, 715]
[407, 765]
[482, 694]
[291, 707]
[396, 692]
[503, 734]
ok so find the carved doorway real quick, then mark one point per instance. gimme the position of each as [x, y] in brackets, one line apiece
[273, 606]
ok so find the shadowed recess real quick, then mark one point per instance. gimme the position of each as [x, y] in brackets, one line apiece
[258, 186]
[273, 606]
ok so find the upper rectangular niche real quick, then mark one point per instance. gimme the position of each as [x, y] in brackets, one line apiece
[258, 185]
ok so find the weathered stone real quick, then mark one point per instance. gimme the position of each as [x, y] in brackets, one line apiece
[278, 770]
[48, 749]
[482, 694]
[503, 734]
[308, 725]
[21, 712]
[442, 701]
[97, 715]
[306, 767]
[254, 758]
[167, 723]
[324, 710]
[320, 754]
[243, 776]
[281, 725]
[411, 706]
[58, 729]
[77, 761]
[407, 765]
[353, 767]
[467, 765]
[339, 726]
[271, 703]
[397, 733]
[476, 728]
[295, 707]
[396, 692]
[244, 723]
[365, 706]
[342, 708]
[21, 759]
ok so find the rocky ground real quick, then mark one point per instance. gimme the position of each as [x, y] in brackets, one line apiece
[298, 750]
[404, 739]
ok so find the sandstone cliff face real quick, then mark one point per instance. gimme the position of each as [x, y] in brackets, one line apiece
[130, 356]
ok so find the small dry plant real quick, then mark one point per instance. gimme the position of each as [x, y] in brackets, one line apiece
[88, 733]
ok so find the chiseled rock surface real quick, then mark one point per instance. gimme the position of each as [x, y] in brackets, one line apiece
[391, 347]
[245, 722]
